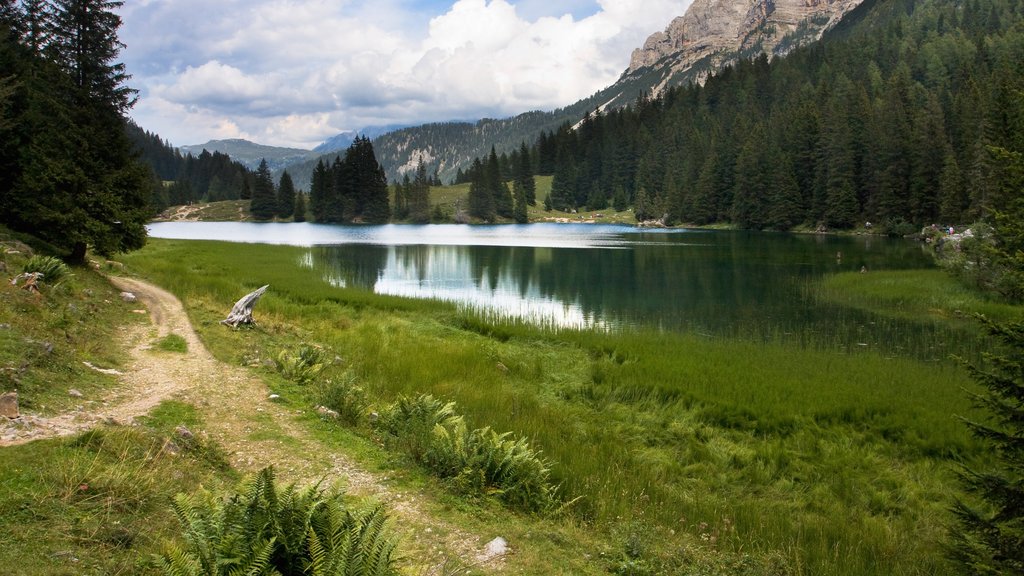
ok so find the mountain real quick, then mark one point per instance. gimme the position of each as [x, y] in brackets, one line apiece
[250, 154]
[716, 33]
[711, 35]
[343, 140]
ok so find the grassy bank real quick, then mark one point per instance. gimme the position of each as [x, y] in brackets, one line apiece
[99, 503]
[680, 454]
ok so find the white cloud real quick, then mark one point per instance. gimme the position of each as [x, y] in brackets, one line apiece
[292, 72]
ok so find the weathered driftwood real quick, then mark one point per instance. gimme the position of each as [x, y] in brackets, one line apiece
[241, 312]
[30, 279]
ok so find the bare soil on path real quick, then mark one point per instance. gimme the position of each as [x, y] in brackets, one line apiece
[253, 430]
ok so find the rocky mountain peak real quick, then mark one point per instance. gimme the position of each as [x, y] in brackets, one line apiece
[713, 33]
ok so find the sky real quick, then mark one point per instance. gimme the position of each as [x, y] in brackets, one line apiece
[296, 72]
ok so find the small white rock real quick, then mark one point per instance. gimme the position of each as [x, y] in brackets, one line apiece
[496, 548]
[75, 393]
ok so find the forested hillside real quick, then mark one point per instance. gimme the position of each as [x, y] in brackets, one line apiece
[183, 179]
[891, 119]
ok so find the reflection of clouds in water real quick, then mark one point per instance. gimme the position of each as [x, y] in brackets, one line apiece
[448, 276]
[510, 235]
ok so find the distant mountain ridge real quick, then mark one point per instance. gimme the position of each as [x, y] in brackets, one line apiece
[250, 154]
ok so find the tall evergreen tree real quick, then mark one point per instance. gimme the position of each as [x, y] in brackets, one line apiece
[419, 196]
[285, 196]
[300, 208]
[498, 187]
[264, 200]
[520, 212]
[319, 192]
[481, 201]
[77, 183]
[989, 535]
[524, 175]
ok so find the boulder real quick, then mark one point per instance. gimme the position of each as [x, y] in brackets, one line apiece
[9, 405]
[495, 549]
[128, 297]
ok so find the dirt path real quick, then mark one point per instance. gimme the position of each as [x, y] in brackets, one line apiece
[252, 429]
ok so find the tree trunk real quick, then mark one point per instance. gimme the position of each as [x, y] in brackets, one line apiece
[241, 312]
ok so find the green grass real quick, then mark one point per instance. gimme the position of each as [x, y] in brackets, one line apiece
[99, 503]
[808, 461]
[914, 294]
[172, 343]
[46, 337]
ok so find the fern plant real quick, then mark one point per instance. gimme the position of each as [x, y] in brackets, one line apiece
[51, 268]
[304, 366]
[480, 460]
[264, 531]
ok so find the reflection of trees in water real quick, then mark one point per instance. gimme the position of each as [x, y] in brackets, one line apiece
[731, 284]
[355, 265]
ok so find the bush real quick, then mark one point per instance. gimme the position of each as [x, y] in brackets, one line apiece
[51, 268]
[262, 530]
[479, 461]
[345, 398]
[304, 366]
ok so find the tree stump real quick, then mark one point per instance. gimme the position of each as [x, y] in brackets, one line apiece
[241, 312]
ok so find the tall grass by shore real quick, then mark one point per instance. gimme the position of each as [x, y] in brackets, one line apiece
[802, 461]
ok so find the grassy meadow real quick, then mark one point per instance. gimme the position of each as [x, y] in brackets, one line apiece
[675, 453]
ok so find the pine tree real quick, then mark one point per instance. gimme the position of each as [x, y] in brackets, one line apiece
[481, 201]
[989, 535]
[524, 175]
[520, 212]
[419, 196]
[299, 214]
[285, 196]
[264, 200]
[77, 184]
[319, 192]
[498, 187]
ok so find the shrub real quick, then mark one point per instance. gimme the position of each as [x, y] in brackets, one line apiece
[303, 366]
[344, 397]
[478, 461]
[262, 530]
[51, 268]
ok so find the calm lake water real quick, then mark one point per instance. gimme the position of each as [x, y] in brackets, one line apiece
[719, 284]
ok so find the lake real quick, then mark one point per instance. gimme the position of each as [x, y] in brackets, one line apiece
[715, 283]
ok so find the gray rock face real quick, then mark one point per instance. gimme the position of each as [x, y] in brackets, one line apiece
[714, 33]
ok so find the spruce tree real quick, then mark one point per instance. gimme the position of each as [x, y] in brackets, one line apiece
[524, 175]
[77, 184]
[498, 187]
[481, 201]
[285, 196]
[989, 535]
[419, 196]
[264, 201]
[520, 213]
[319, 191]
[300, 208]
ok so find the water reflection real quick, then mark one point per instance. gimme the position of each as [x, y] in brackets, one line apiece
[733, 284]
